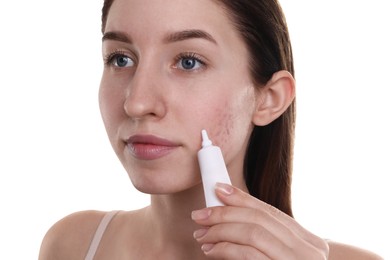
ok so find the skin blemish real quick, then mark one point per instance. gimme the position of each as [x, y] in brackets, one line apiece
[225, 122]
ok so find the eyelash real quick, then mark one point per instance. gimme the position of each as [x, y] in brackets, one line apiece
[190, 55]
[109, 58]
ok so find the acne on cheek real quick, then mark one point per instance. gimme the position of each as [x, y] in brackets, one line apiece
[223, 127]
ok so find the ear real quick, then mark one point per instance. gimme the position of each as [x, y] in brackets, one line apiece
[274, 98]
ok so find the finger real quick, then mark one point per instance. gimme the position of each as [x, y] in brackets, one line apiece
[233, 196]
[226, 250]
[248, 235]
[228, 214]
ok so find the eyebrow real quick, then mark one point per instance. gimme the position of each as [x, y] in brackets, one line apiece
[189, 34]
[116, 36]
[170, 38]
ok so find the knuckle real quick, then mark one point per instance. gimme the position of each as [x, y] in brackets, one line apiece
[273, 210]
[324, 249]
[252, 254]
[257, 215]
[256, 234]
[321, 245]
[316, 251]
[223, 214]
[318, 255]
[220, 251]
[248, 254]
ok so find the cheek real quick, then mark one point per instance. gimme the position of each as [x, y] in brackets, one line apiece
[224, 125]
[232, 126]
[110, 107]
[233, 122]
[104, 105]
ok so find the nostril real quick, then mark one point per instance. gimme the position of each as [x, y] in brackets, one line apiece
[144, 106]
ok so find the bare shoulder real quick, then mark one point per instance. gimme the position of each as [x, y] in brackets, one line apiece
[342, 251]
[70, 237]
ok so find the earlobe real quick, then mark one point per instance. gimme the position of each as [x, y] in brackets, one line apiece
[274, 98]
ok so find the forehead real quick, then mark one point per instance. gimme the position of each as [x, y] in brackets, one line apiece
[154, 17]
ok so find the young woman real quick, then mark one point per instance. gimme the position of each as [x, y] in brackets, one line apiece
[173, 68]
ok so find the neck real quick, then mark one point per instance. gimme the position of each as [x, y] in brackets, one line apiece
[171, 222]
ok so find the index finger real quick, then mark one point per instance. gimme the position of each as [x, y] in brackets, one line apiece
[233, 196]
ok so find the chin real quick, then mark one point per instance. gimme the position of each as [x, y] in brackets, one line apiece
[170, 185]
[163, 177]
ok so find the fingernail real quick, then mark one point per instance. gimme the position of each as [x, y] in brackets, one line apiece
[223, 188]
[200, 233]
[201, 214]
[207, 247]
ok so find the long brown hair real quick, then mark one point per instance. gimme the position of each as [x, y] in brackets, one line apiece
[268, 160]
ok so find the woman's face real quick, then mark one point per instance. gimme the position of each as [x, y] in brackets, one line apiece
[172, 69]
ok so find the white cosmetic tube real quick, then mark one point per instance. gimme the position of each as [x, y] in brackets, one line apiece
[213, 170]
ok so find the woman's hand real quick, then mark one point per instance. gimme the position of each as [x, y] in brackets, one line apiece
[247, 228]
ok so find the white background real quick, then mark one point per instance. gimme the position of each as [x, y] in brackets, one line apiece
[55, 158]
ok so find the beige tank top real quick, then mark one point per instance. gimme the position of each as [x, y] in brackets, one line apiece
[99, 234]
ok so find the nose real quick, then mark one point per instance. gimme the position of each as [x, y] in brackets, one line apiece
[144, 96]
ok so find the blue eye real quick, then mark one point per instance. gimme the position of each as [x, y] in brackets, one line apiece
[119, 60]
[122, 61]
[189, 62]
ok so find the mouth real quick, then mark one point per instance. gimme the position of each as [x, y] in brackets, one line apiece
[149, 147]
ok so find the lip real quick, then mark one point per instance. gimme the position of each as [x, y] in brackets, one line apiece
[149, 147]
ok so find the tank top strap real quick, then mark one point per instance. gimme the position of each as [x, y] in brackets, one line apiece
[99, 234]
